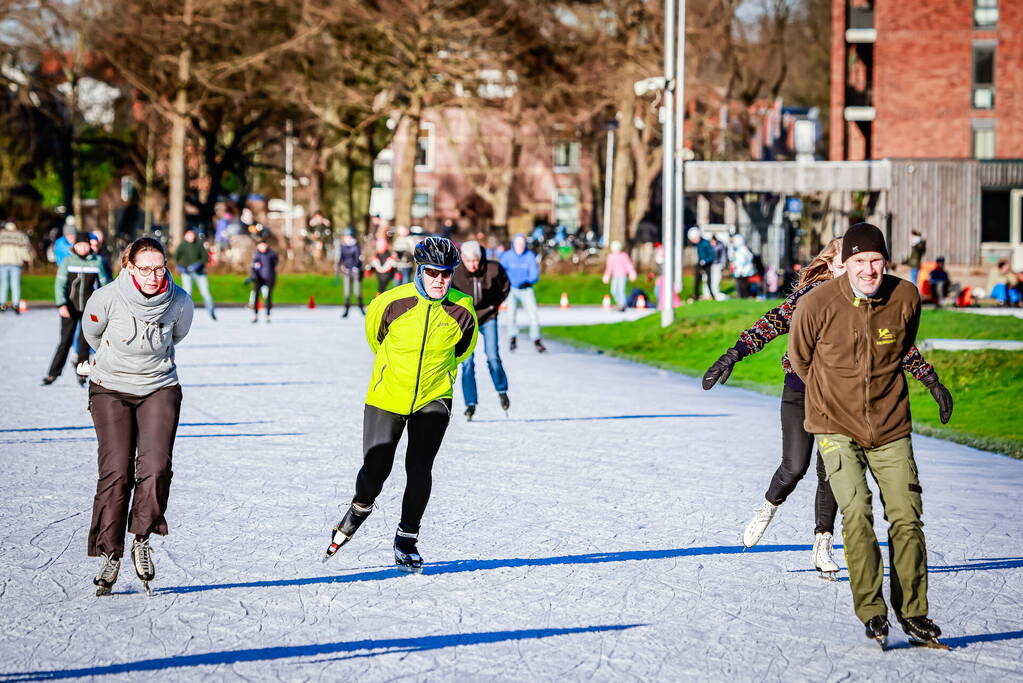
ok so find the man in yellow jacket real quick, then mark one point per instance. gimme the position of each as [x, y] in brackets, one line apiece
[420, 332]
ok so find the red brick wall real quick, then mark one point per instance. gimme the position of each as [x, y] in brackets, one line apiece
[1009, 81]
[922, 80]
[836, 146]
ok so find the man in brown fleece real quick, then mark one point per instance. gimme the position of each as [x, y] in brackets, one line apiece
[847, 341]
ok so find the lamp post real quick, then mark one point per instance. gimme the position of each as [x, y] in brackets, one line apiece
[611, 126]
[680, 148]
[667, 297]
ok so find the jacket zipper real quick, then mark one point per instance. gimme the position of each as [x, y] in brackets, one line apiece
[384, 368]
[422, 351]
[870, 371]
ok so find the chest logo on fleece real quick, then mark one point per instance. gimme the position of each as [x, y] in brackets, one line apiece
[885, 336]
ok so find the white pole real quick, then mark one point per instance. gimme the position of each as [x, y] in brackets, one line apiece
[668, 169]
[609, 173]
[680, 148]
[289, 179]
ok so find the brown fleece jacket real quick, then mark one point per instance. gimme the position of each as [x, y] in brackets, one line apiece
[849, 352]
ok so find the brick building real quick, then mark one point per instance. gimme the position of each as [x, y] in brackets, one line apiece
[927, 79]
[551, 181]
[936, 86]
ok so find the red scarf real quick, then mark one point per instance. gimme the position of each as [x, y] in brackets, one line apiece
[164, 286]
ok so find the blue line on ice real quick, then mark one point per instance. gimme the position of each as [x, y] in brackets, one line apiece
[607, 417]
[374, 648]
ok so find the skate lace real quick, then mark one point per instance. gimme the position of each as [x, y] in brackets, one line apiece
[143, 557]
[108, 572]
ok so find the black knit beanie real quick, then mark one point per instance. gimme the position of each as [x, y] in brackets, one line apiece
[863, 237]
[82, 237]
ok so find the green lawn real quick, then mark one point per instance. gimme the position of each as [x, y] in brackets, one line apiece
[987, 385]
[296, 288]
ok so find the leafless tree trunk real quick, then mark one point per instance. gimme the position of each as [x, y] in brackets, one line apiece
[179, 131]
[406, 176]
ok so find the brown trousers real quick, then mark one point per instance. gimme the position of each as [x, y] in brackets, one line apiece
[136, 441]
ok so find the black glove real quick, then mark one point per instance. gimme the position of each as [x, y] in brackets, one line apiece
[525, 285]
[942, 396]
[722, 368]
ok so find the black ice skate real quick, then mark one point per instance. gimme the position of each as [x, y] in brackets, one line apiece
[505, 402]
[107, 575]
[469, 412]
[347, 527]
[406, 555]
[922, 632]
[512, 344]
[142, 557]
[877, 629]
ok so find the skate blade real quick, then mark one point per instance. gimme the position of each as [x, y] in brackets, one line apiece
[883, 642]
[147, 588]
[929, 644]
[102, 590]
[409, 568]
[827, 576]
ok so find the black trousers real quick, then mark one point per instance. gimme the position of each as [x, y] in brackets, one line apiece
[383, 280]
[67, 335]
[797, 447]
[381, 431]
[136, 446]
[268, 303]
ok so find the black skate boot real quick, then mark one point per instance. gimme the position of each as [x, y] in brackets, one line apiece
[540, 348]
[406, 555]
[512, 344]
[107, 575]
[347, 527]
[505, 402]
[877, 629]
[469, 412]
[142, 557]
[922, 632]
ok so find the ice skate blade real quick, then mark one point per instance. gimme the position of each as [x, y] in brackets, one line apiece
[827, 576]
[147, 588]
[409, 568]
[102, 590]
[883, 642]
[929, 644]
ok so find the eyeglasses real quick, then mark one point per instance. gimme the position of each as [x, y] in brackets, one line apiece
[159, 271]
[433, 272]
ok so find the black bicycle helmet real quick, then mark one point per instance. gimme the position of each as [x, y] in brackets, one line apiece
[436, 252]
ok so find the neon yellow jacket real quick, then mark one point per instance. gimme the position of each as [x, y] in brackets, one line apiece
[418, 345]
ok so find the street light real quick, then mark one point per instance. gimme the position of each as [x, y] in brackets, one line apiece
[611, 125]
[667, 298]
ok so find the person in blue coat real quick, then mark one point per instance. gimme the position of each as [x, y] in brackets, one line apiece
[523, 272]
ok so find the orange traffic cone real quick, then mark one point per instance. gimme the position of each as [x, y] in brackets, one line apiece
[641, 302]
[259, 305]
[22, 306]
[503, 307]
[606, 303]
[312, 302]
[564, 299]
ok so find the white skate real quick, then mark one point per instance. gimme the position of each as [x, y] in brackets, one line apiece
[758, 525]
[823, 557]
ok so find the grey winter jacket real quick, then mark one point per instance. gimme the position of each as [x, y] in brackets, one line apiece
[134, 336]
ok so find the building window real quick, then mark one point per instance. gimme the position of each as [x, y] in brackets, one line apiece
[984, 139]
[985, 15]
[984, 75]
[424, 148]
[566, 209]
[422, 204]
[566, 156]
[995, 215]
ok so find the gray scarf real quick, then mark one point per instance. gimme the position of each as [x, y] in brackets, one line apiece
[147, 311]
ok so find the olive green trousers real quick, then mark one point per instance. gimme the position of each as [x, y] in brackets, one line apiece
[894, 470]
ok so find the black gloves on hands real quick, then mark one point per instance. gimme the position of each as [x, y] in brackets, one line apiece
[722, 369]
[942, 396]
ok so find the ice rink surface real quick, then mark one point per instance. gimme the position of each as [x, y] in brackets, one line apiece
[593, 534]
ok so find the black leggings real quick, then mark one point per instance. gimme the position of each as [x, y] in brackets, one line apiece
[381, 431]
[796, 449]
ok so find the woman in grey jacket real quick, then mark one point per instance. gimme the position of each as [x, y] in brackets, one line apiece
[135, 400]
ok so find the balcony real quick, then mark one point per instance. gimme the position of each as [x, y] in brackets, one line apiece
[861, 17]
